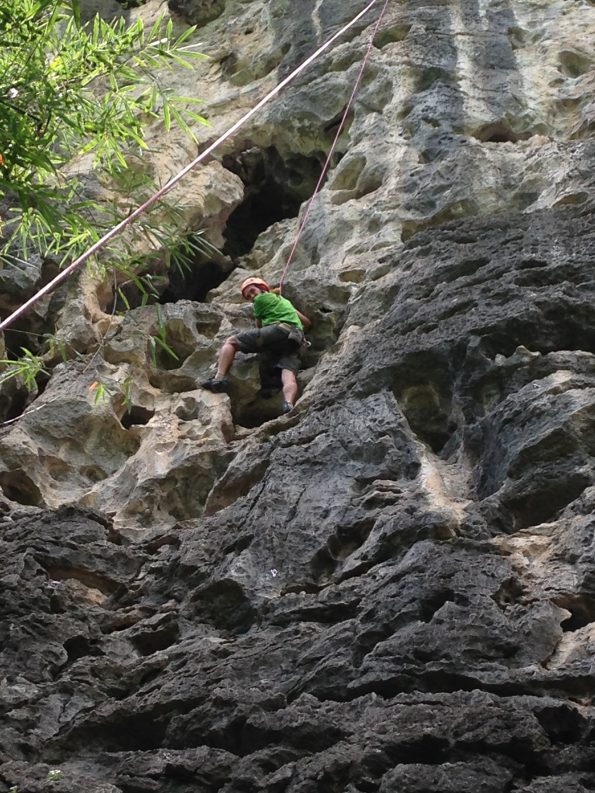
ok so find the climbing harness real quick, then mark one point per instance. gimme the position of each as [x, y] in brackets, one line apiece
[333, 146]
[64, 274]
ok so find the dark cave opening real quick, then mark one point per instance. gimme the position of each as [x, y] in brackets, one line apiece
[582, 611]
[19, 387]
[18, 487]
[498, 132]
[195, 267]
[77, 647]
[137, 415]
[13, 401]
[275, 188]
[194, 276]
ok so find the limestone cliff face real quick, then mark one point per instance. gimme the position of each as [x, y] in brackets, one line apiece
[391, 588]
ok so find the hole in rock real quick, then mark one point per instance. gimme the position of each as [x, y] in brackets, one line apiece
[348, 539]
[150, 642]
[135, 416]
[13, 401]
[267, 404]
[323, 564]
[573, 198]
[132, 3]
[464, 268]
[559, 327]
[172, 345]
[500, 132]
[187, 410]
[427, 76]
[94, 473]
[508, 594]
[18, 336]
[225, 605]
[275, 188]
[195, 267]
[531, 264]
[581, 608]
[76, 647]
[516, 36]
[87, 578]
[391, 34]
[562, 723]
[17, 486]
[458, 209]
[194, 272]
[427, 412]
[14, 395]
[257, 412]
[141, 731]
[170, 382]
[543, 504]
[574, 64]
[430, 605]
[196, 13]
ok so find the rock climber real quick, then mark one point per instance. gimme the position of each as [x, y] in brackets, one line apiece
[278, 337]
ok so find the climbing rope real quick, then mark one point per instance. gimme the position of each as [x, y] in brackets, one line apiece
[327, 163]
[64, 274]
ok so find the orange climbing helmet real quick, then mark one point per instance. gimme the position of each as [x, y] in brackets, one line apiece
[254, 281]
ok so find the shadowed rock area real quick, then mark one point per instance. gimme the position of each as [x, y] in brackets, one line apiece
[390, 588]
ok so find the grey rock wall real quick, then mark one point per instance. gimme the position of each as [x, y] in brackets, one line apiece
[391, 588]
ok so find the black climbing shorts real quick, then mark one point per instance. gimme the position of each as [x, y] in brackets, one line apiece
[273, 344]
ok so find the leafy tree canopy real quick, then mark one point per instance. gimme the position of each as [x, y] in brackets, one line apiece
[70, 88]
[66, 89]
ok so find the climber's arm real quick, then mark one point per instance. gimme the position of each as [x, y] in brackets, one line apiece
[304, 320]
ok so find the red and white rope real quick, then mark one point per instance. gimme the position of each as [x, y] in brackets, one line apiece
[333, 146]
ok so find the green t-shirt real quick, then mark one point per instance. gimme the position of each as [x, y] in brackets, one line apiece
[269, 308]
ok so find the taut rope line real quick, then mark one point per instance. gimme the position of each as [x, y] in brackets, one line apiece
[332, 149]
[64, 274]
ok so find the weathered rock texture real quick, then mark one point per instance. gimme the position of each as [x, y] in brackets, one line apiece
[392, 588]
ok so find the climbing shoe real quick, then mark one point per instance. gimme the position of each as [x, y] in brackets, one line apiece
[287, 407]
[217, 386]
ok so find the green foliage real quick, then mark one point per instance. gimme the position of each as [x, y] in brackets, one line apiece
[100, 391]
[160, 341]
[126, 391]
[27, 367]
[68, 89]
[54, 775]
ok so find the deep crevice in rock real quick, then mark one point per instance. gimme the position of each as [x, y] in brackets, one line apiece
[259, 410]
[562, 723]
[191, 270]
[195, 276]
[499, 132]
[276, 187]
[581, 608]
[13, 401]
[224, 604]
[430, 605]
[348, 539]
[18, 487]
[392, 34]
[135, 416]
[89, 578]
[427, 411]
[544, 502]
[77, 647]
